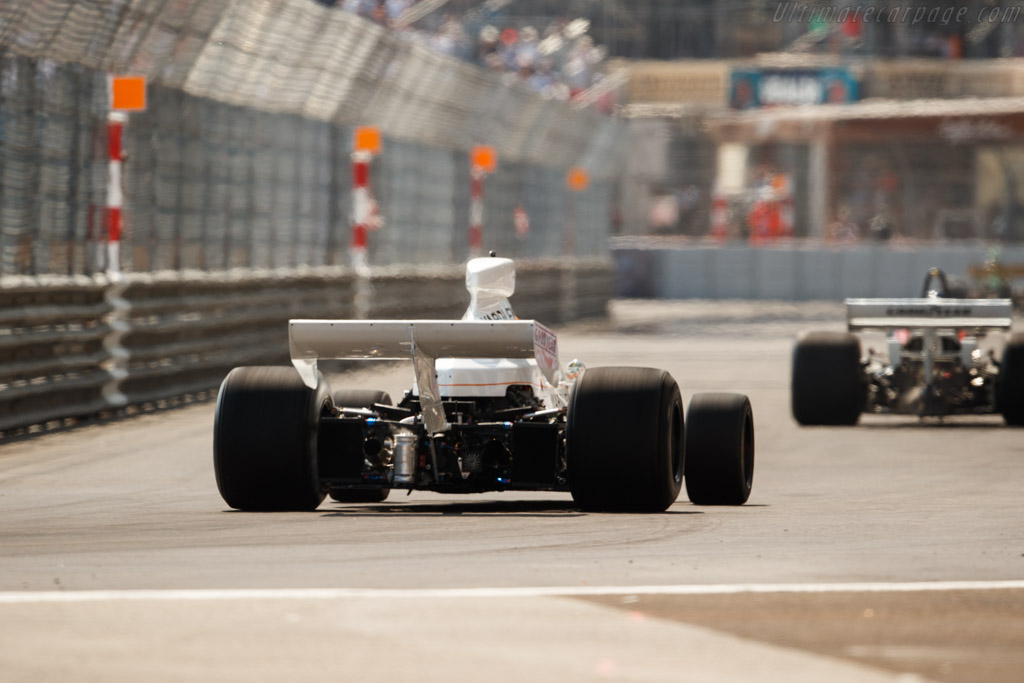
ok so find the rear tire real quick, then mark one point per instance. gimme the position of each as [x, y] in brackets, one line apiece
[1010, 385]
[360, 398]
[624, 440]
[264, 439]
[719, 449]
[828, 385]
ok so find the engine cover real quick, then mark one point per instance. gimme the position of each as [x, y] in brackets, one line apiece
[485, 377]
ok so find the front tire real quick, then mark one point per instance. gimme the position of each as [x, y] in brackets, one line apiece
[719, 449]
[264, 439]
[828, 385]
[624, 440]
[1010, 385]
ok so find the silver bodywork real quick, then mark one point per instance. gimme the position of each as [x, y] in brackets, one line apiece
[423, 342]
[476, 382]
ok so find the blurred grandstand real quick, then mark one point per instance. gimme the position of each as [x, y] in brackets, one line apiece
[720, 29]
[559, 60]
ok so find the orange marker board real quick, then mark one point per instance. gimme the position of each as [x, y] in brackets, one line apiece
[367, 139]
[577, 179]
[128, 93]
[484, 158]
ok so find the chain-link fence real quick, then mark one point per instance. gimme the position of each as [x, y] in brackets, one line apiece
[53, 172]
[242, 158]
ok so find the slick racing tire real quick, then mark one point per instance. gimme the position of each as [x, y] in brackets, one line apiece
[1010, 384]
[719, 449]
[828, 385]
[624, 440]
[264, 439]
[359, 398]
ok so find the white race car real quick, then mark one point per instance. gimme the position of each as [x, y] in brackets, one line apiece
[491, 408]
[933, 365]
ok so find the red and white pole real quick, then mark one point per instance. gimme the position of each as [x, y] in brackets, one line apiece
[476, 212]
[362, 204]
[483, 159]
[115, 193]
[719, 217]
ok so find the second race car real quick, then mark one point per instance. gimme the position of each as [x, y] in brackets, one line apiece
[934, 363]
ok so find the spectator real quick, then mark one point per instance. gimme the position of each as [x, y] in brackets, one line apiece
[687, 201]
[396, 8]
[580, 64]
[487, 44]
[880, 227]
[507, 49]
[844, 230]
[363, 8]
[451, 39]
[562, 65]
[526, 46]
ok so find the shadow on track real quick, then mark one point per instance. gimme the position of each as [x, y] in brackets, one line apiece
[516, 508]
[932, 423]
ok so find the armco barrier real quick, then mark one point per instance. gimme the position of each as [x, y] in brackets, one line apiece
[75, 346]
[184, 332]
[52, 353]
[539, 291]
[594, 288]
[796, 272]
[411, 292]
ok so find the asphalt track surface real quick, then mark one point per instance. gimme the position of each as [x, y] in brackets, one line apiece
[893, 551]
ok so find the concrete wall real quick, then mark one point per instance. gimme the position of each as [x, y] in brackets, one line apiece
[790, 273]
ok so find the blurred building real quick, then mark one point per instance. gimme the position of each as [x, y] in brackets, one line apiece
[923, 169]
[909, 128]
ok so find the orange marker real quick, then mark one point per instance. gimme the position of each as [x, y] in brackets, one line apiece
[128, 93]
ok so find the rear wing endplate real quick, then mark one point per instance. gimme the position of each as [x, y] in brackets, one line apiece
[424, 341]
[862, 314]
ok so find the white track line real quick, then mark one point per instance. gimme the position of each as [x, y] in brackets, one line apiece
[208, 594]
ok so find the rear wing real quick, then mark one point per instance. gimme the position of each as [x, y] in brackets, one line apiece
[424, 341]
[862, 314]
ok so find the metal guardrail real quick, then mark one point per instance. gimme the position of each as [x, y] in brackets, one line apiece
[186, 331]
[52, 353]
[76, 346]
[594, 288]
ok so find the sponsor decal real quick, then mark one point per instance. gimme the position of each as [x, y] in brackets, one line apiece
[929, 311]
[545, 347]
[970, 130]
[754, 88]
[502, 313]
